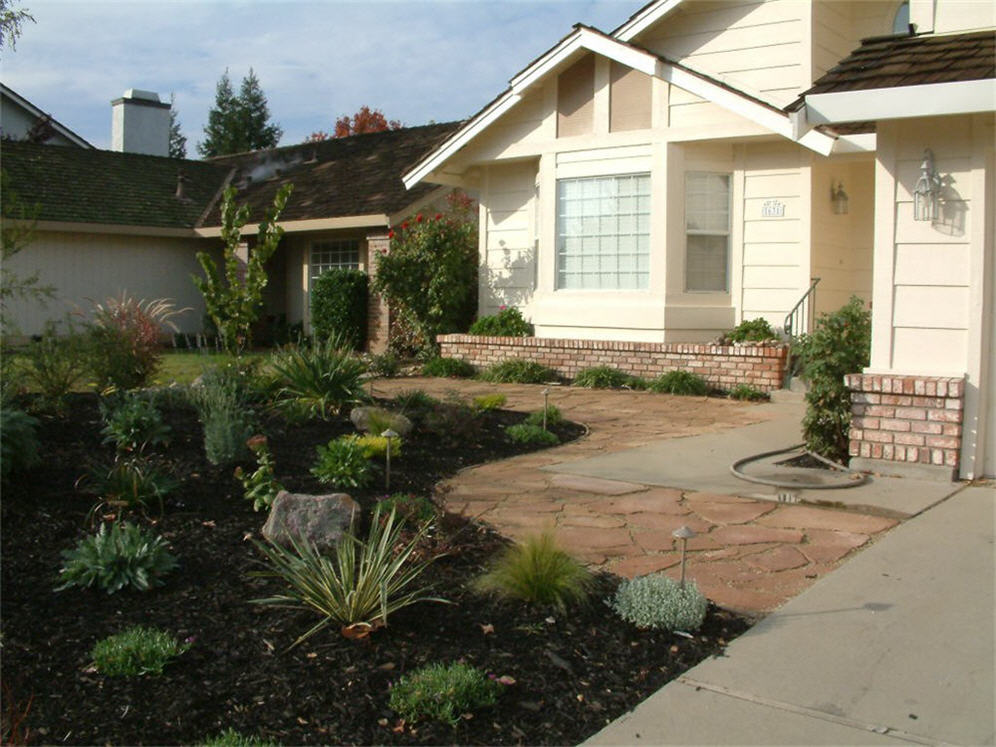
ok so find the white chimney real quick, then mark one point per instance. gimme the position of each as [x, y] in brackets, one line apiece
[140, 123]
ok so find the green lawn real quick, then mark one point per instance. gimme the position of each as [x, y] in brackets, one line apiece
[183, 366]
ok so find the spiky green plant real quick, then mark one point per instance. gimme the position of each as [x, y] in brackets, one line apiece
[679, 382]
[138, 650]
[319, 381]
[359, 586]
[518, 372]
[601, 377]
[124, 556]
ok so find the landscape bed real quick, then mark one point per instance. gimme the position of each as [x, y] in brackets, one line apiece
[569, 673]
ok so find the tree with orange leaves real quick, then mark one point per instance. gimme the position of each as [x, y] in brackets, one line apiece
[365, 120]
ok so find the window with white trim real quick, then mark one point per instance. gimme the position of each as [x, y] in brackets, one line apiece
[707, 231]
[603, 232]
[327, 255]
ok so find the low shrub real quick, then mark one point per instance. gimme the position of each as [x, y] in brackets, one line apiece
[342, 463]
[261, 487]
[748, 393]
[508, 322]
[410, 507]
[553, 417]
[488, 402]
[19, 446]
[451, 368]
[376, 420]
[452, 421]
[223, 407]
[136, 651]
[359, 586]
[128, 484]
[415, 402]
[126, 556]
[54, 365]
[515, 371]
[232, 738]
[443, 692]
[384, 364]
[375, 447]
[750, 330]
[679, 382]
[659, 602]
[339, 305]
[319, 381]
[132, 423]
[537, 571]
[601, 377]
[525, 433]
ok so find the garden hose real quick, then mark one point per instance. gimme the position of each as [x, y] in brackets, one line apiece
[856, 478]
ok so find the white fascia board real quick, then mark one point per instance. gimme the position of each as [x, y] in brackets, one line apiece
[776, 121]
[314, 224]
[645, 19]
[866, 142]
[460, 139]
[546, 63]
[932, 99]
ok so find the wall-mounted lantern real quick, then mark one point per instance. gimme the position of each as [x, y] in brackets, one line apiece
[927, 192]
[838, 199]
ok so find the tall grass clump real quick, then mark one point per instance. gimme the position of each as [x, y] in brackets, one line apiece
[516, 371]
[680, 382]
[537, 571]
[602, 377]
[317, 382]
[448, 368]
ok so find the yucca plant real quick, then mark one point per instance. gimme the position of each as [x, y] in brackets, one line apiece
[538, 571]
[319, 380]
[359, 586]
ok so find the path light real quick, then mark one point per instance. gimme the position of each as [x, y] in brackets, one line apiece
[390, 436]
[546, 404]
[684, 533]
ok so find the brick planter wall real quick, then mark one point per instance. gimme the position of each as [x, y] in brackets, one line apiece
[759, 366]
[909, 419]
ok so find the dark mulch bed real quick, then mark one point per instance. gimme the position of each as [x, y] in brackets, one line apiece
[574, 672]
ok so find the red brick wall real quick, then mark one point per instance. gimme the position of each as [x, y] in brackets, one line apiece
[759, 366]
[913, 419]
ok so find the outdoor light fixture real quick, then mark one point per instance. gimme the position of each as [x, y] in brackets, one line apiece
[546, 405]
[684, 533]
[927, 191]
[838, 198]
[390, 436]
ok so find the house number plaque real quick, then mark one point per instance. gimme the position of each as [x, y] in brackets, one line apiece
[772, 209]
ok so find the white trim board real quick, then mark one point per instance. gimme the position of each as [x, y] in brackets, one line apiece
[644, 18]
[933, 99]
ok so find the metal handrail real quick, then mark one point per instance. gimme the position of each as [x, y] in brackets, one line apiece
[801, 315]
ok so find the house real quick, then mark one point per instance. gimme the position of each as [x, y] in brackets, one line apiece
[706, 162]
[109, 222]
[22, 120]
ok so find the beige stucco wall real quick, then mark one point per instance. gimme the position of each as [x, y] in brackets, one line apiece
[933, 291]
[86, 267]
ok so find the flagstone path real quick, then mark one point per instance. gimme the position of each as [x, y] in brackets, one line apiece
[748, 555]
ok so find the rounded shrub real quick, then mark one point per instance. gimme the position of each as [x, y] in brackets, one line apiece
[679, 382]
[747, 393]
[659, 602]
[553, 417]
[751, 330]
[443, 692]
[339, 304]
[524, 433]
[516, 371]
[488, 402]
[342, 463]
[508, 322]
[601, 377]
[451, 368]
[124, 556]
[19, 446]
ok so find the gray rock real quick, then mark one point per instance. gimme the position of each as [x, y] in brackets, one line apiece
[361, 417]
[318, 519]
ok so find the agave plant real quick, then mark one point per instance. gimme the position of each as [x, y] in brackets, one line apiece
[358, 587]
[319, 380]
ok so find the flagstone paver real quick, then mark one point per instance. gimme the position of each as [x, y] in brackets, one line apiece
[748, 555]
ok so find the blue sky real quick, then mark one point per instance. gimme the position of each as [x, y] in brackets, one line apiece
[416, 61]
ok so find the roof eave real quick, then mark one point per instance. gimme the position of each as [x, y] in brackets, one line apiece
[901, 102]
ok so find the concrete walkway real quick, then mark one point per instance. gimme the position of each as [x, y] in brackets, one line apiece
[895, 647]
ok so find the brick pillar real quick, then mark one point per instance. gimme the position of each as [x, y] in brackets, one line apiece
[906, 424]
[378, 315]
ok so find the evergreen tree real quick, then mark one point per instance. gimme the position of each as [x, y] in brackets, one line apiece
[220, 130]
[239, 123]
[177, 140]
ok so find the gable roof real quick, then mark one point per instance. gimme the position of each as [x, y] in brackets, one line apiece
[9, 93]
[644, 18]
[352, 176]
[636, 57]
[890, 77]
[77, 185]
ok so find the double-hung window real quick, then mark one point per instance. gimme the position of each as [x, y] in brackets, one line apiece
[603, 232]
[328, 255]
[707, 231]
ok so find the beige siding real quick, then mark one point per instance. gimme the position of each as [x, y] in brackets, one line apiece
[839, 27]
[508, 257]
[951, 16]
[93, 267]
[575, 98]
[760, 47]
[629, 99]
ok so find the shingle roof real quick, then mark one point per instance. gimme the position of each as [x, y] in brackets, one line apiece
[100, 186]
[357, 175]
[894, 61]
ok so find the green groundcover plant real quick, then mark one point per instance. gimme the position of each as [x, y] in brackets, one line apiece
[508, 322]
[526, 433]
[137, 651]
[443, 692]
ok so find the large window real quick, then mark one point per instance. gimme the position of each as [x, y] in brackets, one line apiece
[326, 255]
[707, 231]
[603, 232]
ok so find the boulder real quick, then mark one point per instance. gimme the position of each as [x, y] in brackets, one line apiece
[362, 416]
[318, 519]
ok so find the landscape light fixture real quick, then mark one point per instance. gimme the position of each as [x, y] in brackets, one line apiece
[683, 533]
[390, 436]
[838, 199]
[927, 192]
[546, 404]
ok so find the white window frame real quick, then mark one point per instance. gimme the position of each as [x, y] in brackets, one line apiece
[641, 239]
[332, 247]
[727, 233]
